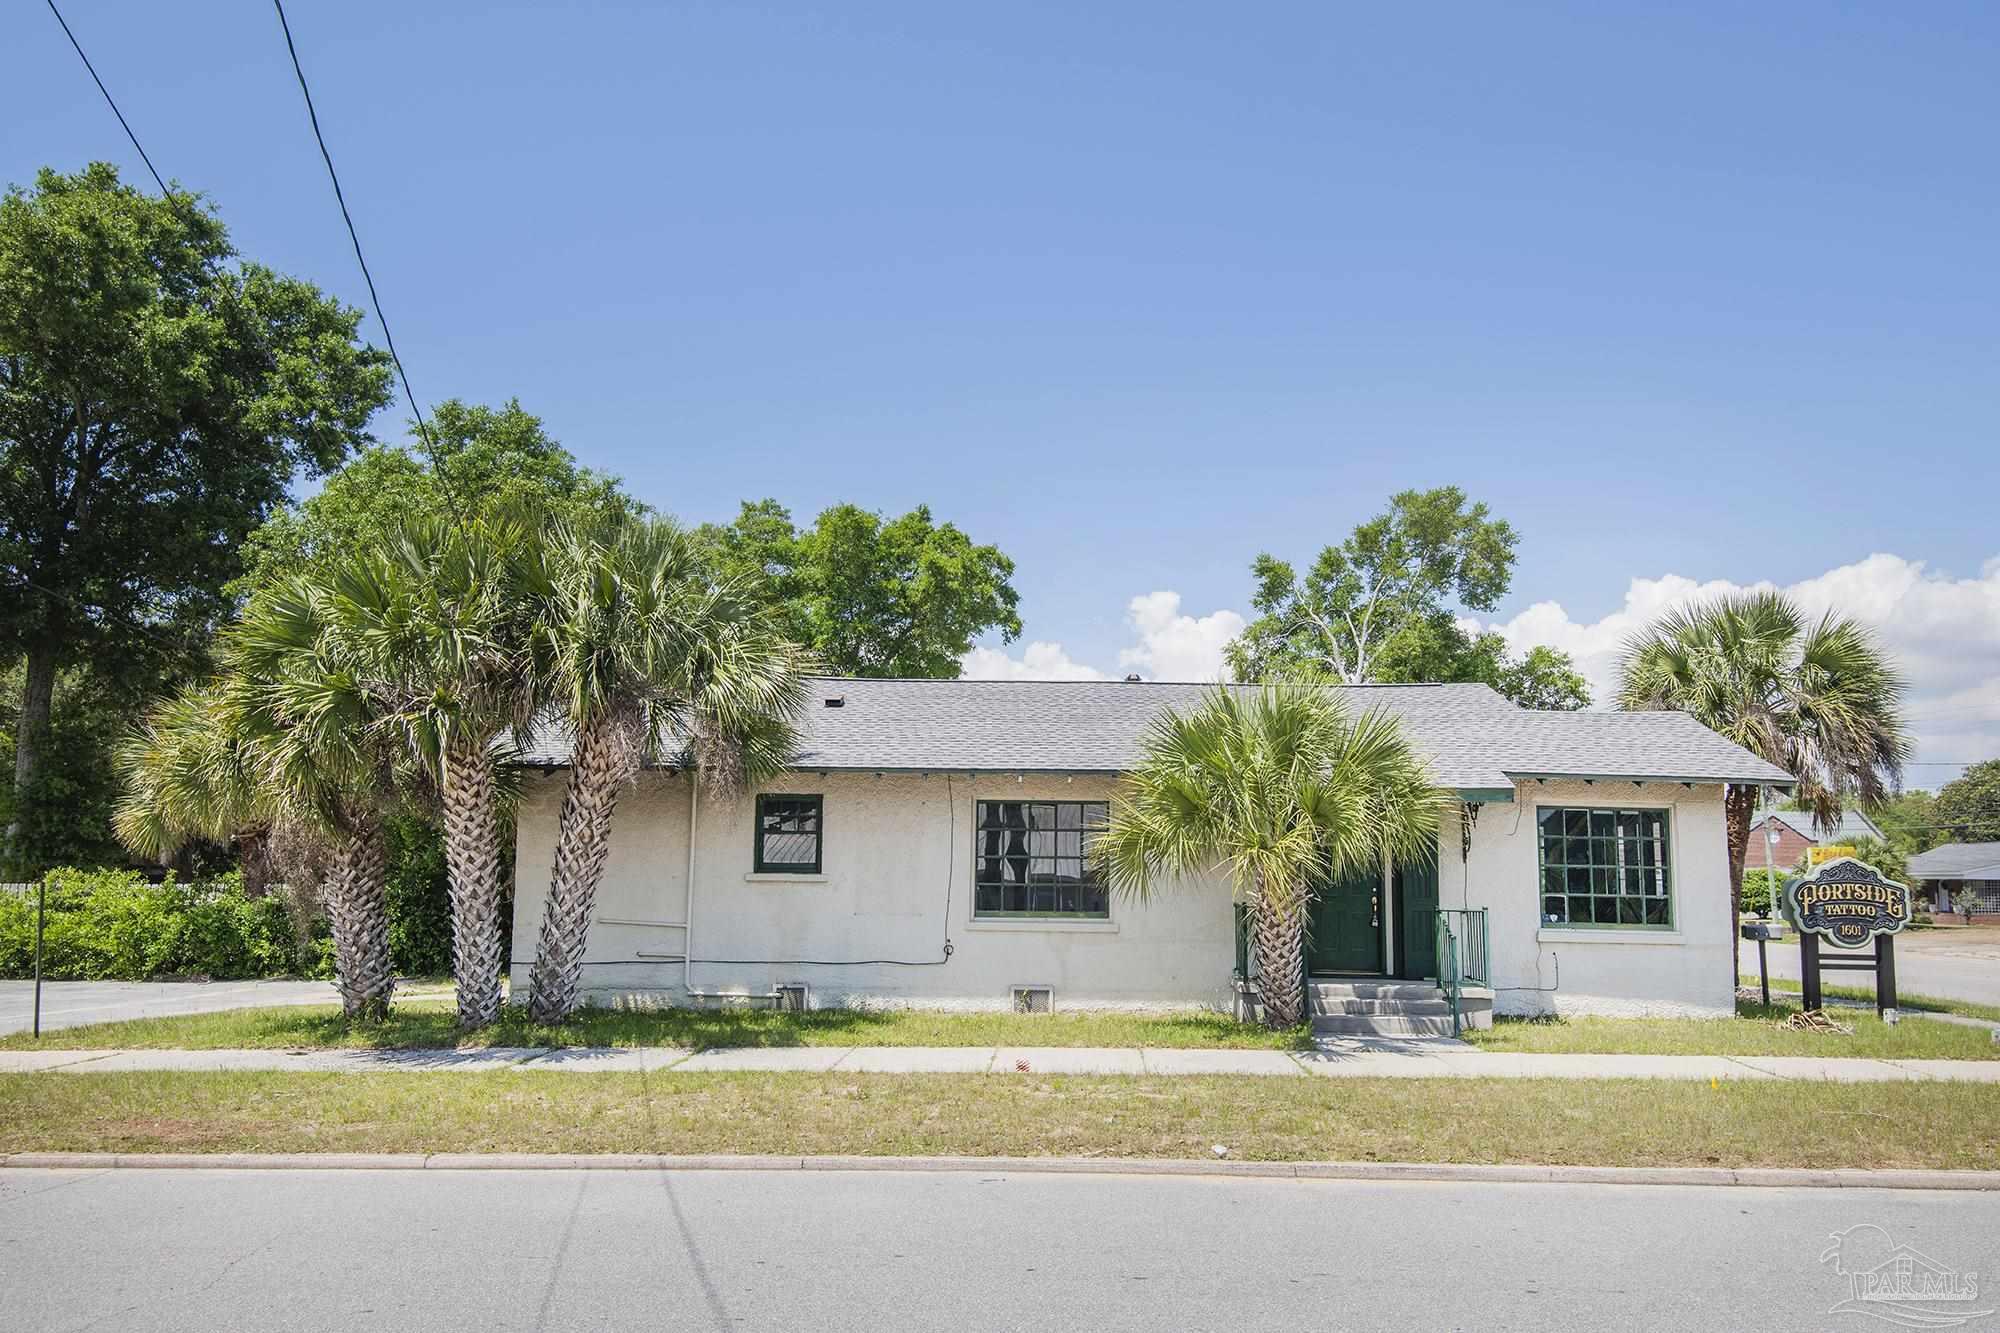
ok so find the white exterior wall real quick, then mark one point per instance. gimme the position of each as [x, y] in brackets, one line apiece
[894, 847]
[1688, 970]
[892, 851]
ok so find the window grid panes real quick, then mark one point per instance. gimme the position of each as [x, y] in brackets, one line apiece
[788, 834]
[1032, 858]
[1605, 867]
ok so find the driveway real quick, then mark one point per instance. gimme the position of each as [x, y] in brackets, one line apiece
[553, 1250]
[1956, 962]
[68, 1004]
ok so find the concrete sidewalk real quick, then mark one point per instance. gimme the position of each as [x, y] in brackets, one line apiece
[1351, 1059]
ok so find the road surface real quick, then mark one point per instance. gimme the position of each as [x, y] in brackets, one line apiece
[68, 1004]
[1958, 964]
[500, 1250]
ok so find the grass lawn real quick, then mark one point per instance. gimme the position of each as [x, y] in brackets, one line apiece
[1754, 1031]
[428, 1024]
[1626, 1122]
[1936, 1004]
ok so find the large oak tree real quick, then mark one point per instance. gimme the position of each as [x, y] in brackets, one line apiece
[157, 397]
[1385, 606]
[868, 595]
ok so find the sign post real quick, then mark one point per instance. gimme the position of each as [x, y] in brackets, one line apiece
[41, 918]
[1848, 904]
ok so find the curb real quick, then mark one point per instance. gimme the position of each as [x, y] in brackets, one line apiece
[1449, 1172]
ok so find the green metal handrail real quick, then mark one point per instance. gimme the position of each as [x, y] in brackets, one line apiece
[1461, 955]
[1447, 960]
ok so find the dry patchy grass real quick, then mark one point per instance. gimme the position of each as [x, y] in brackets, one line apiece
[1625, 1122]
[427, 1024]
[1755, 1030]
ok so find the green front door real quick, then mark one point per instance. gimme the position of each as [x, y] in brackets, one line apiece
[1345, 927]
[1416, 921]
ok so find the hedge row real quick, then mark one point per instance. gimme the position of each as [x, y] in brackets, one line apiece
[116, 925]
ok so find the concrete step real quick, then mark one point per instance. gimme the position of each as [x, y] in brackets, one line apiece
[1382, 1025]
[1397, 1008]
[1372, 990]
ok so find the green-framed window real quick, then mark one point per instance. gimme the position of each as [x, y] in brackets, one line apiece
[788, 835]
[1032, 858]
[1606, 866]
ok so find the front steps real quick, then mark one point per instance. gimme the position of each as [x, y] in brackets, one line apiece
[1391, 1009]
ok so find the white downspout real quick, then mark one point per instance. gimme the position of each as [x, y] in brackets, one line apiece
[687, 907]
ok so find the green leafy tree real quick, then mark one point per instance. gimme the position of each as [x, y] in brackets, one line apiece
[1820, 700]
[1908, 819]
[1384, 606]
[1968, 807]
[157, 397]
[636, 643]
[868, 595]
[1278, 789]
[1543, 677]
[64, 815]
[487, 462]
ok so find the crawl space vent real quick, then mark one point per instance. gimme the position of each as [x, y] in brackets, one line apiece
[1033, 999]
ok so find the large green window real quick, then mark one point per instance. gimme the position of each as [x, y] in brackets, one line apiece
[1605, 867]
[1032, 858]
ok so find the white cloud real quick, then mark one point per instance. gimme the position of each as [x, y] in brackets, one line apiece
[1170, 646]
[1038, 661]
[1943, 631]
[1173, 646]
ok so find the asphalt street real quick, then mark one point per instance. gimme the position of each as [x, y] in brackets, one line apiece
[68, 1004]
[1955, 965]
[354, 1250]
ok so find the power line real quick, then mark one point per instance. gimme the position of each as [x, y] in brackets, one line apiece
[312, 114]
[108, 98]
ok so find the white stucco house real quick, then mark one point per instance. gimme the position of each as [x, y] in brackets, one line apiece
[928, 848]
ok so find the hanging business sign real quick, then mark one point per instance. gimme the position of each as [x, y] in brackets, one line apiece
[1847, 903]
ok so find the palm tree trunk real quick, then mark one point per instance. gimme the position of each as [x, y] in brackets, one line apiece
[472, 857]
[357, 907]
[1280, 932]
[606, 757]
[1738, 807]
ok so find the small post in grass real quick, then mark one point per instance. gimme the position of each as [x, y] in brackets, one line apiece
[41, 918]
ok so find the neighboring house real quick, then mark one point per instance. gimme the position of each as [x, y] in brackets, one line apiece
[929, 848]
[1797, 832]
[1943, 871]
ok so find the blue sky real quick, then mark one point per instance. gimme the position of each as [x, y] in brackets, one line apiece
[1695, 294]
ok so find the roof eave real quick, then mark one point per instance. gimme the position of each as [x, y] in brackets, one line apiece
[1686, 779]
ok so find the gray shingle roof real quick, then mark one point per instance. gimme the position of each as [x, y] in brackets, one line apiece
[1475, 738]
[1958, 860]
[1853, 824]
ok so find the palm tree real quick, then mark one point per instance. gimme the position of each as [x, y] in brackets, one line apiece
[634, 641]
[1279, 788]
[430, 637]
[1821, 700]
[205, 765]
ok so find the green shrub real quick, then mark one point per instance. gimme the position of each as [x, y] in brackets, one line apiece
[419, 900]
[106, 925]
[1757, 890]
